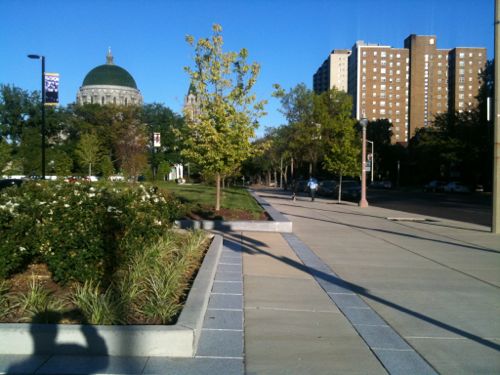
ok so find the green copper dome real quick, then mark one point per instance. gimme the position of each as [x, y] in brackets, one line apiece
[109, 74]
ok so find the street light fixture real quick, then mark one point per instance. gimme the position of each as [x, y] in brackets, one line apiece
[363, 203]
[40, 57]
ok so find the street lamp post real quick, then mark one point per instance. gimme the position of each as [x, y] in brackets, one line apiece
[372, 161]
[363, 203]
[39, 57]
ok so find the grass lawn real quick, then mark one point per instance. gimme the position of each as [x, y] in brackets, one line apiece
[236, 203]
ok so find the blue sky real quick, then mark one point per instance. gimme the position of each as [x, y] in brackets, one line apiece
[289, 38]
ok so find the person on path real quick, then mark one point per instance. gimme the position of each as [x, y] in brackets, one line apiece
[312, 184]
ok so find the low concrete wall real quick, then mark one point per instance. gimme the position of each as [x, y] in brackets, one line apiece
[179, 340]
[278, 224]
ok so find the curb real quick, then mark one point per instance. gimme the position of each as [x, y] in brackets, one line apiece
[179, 340]
[278, 224]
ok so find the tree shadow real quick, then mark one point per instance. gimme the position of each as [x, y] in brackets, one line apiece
[44, 338]
[333, 279]
[455, 244]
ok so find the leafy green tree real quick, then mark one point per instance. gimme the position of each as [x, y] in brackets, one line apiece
[298, 107]
[59, 162]
[18, 109]
[160, 119]
[106, 166]
[163, 169]
[218, 138]
[342, 146]
[4, 156]
[89, 150]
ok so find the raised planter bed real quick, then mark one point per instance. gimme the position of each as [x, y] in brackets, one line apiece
[278, 223]
[179, 340]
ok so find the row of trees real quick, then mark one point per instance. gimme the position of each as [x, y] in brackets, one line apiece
[322, 139]
[89, 139]
[108, 138]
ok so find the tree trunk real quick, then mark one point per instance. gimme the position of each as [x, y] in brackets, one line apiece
[291, 168]
[217, 192]
[286, 176]
[90, 169]
[340, 190]
[223, 182]
[310, 169]
[268, 179]
[276, 179]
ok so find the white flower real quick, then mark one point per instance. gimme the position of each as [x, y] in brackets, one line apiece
[66, 205]
[22, 249]
[91, 195]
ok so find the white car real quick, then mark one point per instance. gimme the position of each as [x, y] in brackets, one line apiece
[456, 187]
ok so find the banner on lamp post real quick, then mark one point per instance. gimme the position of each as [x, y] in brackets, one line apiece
[51, 88]
[156, 140]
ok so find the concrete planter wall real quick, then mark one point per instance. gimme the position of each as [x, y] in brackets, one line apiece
[179, 340]
[278, 224]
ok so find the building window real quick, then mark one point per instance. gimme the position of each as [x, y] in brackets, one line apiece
[382, 103]
[398, 55]
[102, 100]
[461, 63]
[382, 87]
[461, 55]
[364, 53]
[382, 111]
[383, 54]
[374, 70]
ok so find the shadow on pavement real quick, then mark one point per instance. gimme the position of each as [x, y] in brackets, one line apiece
[45, 343]
[400, 234]
[238, 245]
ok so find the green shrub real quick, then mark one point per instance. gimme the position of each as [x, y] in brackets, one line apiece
[81, 231]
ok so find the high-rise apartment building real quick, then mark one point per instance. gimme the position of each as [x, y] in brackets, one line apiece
[378, 83]
[333, 72]
[409, 86]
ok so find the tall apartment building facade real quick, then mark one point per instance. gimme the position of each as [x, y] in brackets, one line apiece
[333, 72]
[409, 86]
[378, 83]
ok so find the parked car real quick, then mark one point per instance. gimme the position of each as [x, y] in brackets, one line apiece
[383, 184]
[456, 187]
[10, 182]
[351, 189]
[435, 186]
[327, 188]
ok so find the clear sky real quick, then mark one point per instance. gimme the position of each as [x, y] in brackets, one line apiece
[289, 38]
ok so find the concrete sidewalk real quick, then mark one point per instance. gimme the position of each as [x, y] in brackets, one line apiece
[434, 282]
[351, 291]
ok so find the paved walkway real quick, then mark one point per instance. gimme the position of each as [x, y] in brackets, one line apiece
[351, 291]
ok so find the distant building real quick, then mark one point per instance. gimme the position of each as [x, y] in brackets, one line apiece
[409, 86]
[109, 84]
[333, 72]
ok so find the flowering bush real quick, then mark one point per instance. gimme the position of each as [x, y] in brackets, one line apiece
[80, 231]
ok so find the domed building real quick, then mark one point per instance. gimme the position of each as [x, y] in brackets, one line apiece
[109, 84]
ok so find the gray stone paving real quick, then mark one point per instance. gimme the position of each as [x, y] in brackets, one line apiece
[397, 356]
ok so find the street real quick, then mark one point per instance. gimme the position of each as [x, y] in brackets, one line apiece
[472, 208]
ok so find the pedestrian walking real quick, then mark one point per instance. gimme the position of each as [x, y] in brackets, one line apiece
[312, 183]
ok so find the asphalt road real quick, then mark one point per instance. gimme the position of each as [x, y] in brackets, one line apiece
[472, 208]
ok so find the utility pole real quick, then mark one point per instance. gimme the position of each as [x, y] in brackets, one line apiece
[495, 222]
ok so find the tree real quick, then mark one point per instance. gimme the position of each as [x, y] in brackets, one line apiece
[298, 107]
[342, 148]
[130, 145]
[89, 150]
[18, 109]
[218, 138]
